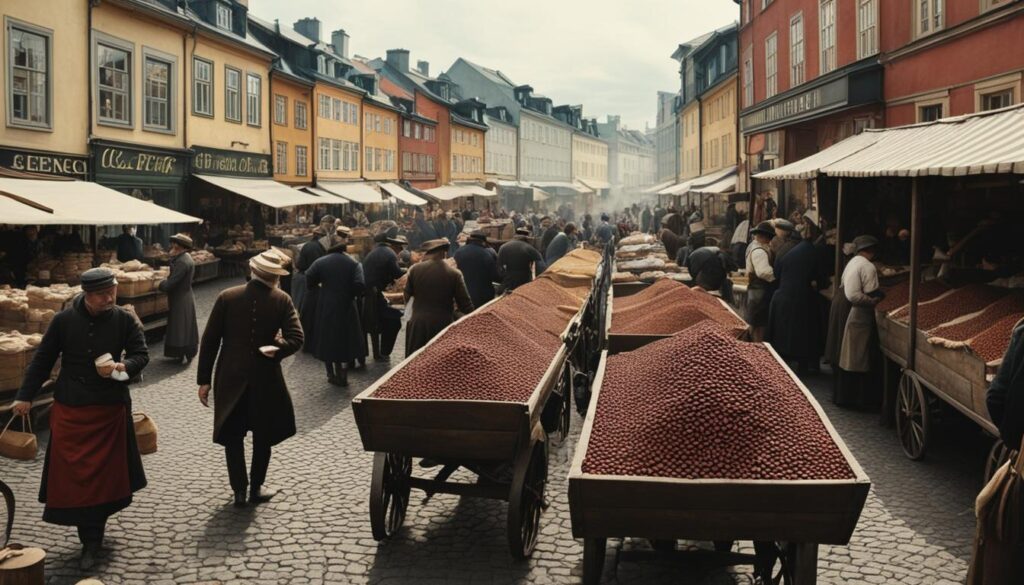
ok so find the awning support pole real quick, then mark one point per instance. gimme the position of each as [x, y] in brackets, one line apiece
[915, 267]
[837, 276]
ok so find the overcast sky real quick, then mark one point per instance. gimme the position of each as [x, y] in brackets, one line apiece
[610, 55]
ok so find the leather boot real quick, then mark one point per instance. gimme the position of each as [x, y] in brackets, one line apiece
[240, 499]
[261, 495]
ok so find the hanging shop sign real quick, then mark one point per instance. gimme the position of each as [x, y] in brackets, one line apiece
[119, 159]
[216, 161]
[46, 163]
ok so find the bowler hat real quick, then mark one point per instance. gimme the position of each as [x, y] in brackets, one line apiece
[432, 245]
[397, 240]
[522, 231]
[97, 279]
[764, 228]
[478, 235]
[183, 240]
[861, 243]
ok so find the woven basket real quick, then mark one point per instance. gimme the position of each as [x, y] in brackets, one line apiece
[145, 432]
[19, 445]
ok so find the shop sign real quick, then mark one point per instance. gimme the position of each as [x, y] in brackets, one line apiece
[46, 163]
[831, 94]
[215, 161]
[115, 159]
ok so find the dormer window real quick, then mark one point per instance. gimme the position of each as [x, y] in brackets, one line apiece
[444, 91]
[223, 15]
[321, 65]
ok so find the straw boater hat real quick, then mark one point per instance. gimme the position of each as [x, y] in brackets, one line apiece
[97, 279]
[183, 240]
[522, 231]
[343, 231]
[432, 245]
[267, 263]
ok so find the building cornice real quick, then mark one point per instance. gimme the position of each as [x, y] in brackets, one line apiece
[982, 21]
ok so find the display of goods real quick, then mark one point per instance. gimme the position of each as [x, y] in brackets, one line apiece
[676, 309]
[201, 256]
[260, 245]
[652, 275]
[898, 295]
[545, 317]
[962, 301]
[16, 351]
[642, 265]
[482, 357]
[991, 344]
[647, 295]
[702, 405]
[634, 239]
[578, 262]
[66, 269]
[624, 277]
[232, 248]
[52, 297]
[639, 248]
[1011, 304]
[545, 291]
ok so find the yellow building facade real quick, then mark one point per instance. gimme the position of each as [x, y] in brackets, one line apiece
[380, 141]
[467, 148]
[291, 128]
[689, 141]
[337, 132]
[718, 126]
[589, 159]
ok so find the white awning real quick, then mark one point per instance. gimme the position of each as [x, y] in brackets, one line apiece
[699, 182]
[811, 166]
[479, 191]
[655, 189]
[330, 198]
[540, 194]
[580, 187]
[723, 185]
[355, 191]
[402, 195]
[79, 203]
[447, 192]
[560, 185]
[596, 184]
[263, 191]
[508, 183]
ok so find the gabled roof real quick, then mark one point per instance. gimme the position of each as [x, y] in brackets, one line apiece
[410, 80]
[685, 48]
[493, 75]
[248, 41]
[286, 32]
[462, 120]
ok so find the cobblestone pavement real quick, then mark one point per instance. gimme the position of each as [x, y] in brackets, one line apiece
[916, 527]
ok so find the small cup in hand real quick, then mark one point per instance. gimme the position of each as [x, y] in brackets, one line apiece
[105, 365]
[269, 350]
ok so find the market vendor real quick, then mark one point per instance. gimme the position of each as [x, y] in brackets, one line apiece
[92, 462]
[709, 268]
[761, 279]
[182, 340]
[22, 248]
[382, 322]
[339, 340]
[852, 320]
[129, 245]
[436, 288]
[604, 232]
[518, 261]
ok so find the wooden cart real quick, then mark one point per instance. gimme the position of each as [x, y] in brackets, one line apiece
[796, 515]
[503, 443]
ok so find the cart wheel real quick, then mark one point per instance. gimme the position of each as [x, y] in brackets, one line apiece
[526, 500]
[389, 493]
[997, 456]
[593, 559]
[774, 564]
[912, 418]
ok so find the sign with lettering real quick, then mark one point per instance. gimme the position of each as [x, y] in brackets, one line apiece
[834, 93]
[46, 163]
[116, 159]
[216, 161]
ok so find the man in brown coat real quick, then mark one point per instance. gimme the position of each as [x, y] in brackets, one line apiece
[253, 327]
[436, 289]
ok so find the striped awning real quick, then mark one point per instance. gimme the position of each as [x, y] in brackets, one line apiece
[724, 185]
[698, 182]
[811, 167]
[660, 186]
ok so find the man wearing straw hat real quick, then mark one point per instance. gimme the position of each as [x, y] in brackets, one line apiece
[436, 288]
[182, 340]
[252, 328]
[339, 340]
[92, 461]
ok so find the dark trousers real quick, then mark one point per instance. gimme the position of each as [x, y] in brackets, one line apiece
[91, 535]
[235, 453]
[383, 342]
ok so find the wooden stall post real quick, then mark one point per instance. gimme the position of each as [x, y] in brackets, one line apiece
[915, 267]
[837, 279]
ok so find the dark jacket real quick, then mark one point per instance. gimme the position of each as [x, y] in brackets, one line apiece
[303, 298]
[339, 336]
[479, 266]
[1006, 394]
[129, 247]
[182, 338]
[709, 267]
[245, 318]
[560, 246]
[794, 323]
[435, 289]
[380, 269]
[549, 234]
[604, 232]
[514, 260]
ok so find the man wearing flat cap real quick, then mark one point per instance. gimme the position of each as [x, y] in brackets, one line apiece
[786, 238]
[761, 277]
[478, 263]
[518, 261]
[436, 288]
[339, 340]
[181, 342]
[251, 328]
[92, 460]
[382, 322]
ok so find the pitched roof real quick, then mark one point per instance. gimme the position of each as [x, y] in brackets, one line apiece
[493, 75]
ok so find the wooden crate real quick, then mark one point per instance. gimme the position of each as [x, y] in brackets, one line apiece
[625, 289]
[804, 511]
[133, 289]
[206, 271]
[957, 377]
[893, 337]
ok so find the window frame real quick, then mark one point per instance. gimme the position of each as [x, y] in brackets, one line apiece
[301, 170]
[748, 77]
[195, 84]
[280, 99]
[220, 8]
[171, 62]
[987, 5]
[13, 23]
[304, 118]
[918, 30]
[102, 39]
[983, 89]
[827, 58]
[771, 65]
[239, 92]
[862, 51]
[280, 163]
[250, 76]
[797, 47]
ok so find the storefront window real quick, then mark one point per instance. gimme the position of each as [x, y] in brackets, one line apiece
[29, 68]
[114, 83]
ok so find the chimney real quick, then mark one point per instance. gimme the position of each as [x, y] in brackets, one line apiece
[423, 67]
[339, 39]
[399, 59]
[309, 27]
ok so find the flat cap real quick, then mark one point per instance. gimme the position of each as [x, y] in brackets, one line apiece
[97, 279]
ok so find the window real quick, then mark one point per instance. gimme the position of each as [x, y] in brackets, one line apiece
[797, 73]
[376, 123]
[771, 65]
[929, 16]
[280, 158]
[232, 95]
[867, 28]
[300, 116]
[156, 106]
[929, 113]
[369, 159]
[202, 87]
[300, 161]
[992, 4]
[996, 100]
[325, 154]
[281, 110]
[29, 70]
[324, 107]
[336, 112]
[252, 99]
[748, 78]
[417, 131]
[827, 40]
[223, 16]
[114, 84]
[406, 128]
[998, 92]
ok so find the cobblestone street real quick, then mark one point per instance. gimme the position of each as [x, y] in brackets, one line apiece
[916, 527]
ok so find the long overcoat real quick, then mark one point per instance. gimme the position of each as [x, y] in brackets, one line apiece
[244, 319]
[182, 338]
[339, 332]
[479, 267]
[793, 318]
[380, 269]
[436, 289]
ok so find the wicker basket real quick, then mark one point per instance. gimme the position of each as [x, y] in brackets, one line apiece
[145, 432]
[20, 445]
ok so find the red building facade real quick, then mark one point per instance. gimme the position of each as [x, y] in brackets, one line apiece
[417, 141]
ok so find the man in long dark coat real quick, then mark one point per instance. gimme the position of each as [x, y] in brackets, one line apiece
[303, 297]
[252, 327]
[182, 339]
[436, 288]
[129, 246]
[380, 268]
[794, 326]
[92, 460]
[518, 260]
[478, 263]
[339, 340]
